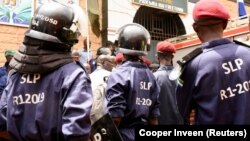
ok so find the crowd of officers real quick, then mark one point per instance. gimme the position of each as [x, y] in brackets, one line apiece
[50, 90]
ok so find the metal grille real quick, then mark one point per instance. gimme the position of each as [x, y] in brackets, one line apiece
[160, 24]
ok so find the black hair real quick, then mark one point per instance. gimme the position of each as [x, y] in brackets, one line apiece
[109, 43]
[165, 55]
[133, 58]
[102, 51]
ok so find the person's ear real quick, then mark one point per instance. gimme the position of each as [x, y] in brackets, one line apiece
[195, 27]
[172, 56]
[103, 62]
[157, 57]
[224, 24]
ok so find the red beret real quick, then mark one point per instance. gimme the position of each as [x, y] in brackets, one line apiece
[165, 47]
[119, 58]
[210, 8]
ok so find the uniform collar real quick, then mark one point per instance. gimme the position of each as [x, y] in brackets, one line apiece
[214, 43]
[165, 67]
[134, 64]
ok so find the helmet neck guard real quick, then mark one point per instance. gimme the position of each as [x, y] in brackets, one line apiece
[31, 58]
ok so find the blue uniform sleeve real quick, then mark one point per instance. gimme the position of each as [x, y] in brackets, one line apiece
[115, 94]
[3, 105]
[185, 89]
[76, 108]
[117, 86]
[3, 81]
[3, 109]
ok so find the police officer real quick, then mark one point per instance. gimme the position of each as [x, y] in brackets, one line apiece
[132, 91]
[5, 69]
[216, 82]
[49, 97]
[168, 108]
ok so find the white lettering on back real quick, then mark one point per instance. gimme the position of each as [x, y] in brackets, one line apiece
[232, 66]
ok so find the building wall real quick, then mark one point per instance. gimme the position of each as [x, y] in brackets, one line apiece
[123, 12]
[12, 36]
[120, 12]
[187, 19]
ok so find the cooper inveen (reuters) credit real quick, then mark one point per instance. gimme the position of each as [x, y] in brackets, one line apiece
[194, 133]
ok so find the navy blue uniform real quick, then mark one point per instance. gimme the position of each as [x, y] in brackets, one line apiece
[3, 78]
[168, 107]
[216, 84]
[48, 107]
[132, 94]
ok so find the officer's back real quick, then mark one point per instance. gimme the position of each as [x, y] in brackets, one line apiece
[216, 82]
[132, 91]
